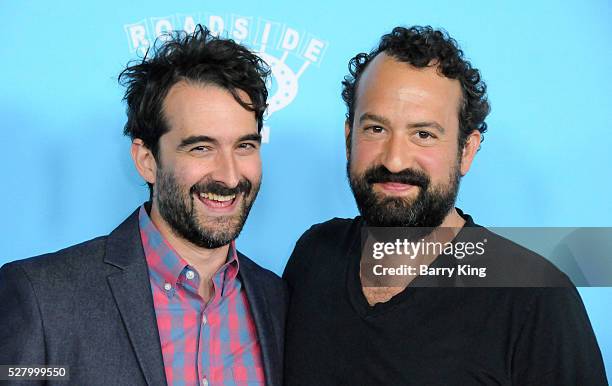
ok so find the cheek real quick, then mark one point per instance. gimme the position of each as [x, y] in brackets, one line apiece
[188, 174]
[250, 168]
[435, 163]
[364, 154]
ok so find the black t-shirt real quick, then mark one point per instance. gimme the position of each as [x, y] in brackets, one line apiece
[431, 336]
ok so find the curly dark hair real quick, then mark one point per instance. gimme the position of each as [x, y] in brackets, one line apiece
[198, 57]
[422, 47]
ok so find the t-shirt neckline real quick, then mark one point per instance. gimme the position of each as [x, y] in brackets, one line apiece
[404, 299]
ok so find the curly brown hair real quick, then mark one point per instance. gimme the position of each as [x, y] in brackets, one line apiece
[423, 46]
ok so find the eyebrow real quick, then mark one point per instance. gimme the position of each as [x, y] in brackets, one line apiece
[196, 139]
[433, 124]
[375, 118]
[386, 122]
[251, 137]
[205, 138]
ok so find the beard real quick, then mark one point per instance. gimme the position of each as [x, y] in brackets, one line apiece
[177, 207]
[427, 210]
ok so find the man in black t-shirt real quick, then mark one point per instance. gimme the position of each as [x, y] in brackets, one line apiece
[416, 111]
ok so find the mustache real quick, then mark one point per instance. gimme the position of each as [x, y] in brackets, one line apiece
[380, 174]
[243, 186]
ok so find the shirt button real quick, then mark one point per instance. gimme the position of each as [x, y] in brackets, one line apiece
[167, 286]
[204, 320]
[190, 275]
[204, 382]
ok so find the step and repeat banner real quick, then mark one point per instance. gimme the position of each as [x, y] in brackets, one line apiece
[545, 160]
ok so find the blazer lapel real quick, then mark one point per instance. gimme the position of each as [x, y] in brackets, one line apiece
[132, 292]
[256, 295]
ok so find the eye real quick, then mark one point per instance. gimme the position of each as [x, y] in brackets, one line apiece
[199, 149]
[247, 147]
[374, 130]
[425, 134]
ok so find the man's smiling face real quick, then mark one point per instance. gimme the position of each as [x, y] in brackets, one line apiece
[404, 161]
[209, 166]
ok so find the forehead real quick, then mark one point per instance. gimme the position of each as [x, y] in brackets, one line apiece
[206, 109]
[388, 85]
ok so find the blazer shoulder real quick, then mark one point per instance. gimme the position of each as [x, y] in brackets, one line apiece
[253, 268]
[263, 282]
[80, 256]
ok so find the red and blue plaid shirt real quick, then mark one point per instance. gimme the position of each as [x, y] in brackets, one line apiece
[212, 343]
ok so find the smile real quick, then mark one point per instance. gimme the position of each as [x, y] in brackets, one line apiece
[217, 202]
[395, 188]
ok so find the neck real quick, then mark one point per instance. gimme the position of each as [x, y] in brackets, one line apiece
[205, 261]
[382, 292]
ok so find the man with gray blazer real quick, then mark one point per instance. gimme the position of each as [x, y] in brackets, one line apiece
[165, 298]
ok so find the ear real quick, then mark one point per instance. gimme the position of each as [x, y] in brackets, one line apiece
[472, 144]
[144, 160]
[347, 137]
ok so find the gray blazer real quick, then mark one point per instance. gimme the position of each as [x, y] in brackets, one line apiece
[90, 307]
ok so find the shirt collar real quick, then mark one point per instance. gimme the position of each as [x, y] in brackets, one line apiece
[166, 266]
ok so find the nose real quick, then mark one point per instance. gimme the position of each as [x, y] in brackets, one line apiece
[226, 170]
[396, 154]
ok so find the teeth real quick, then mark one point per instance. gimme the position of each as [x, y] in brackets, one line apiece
[217, 197]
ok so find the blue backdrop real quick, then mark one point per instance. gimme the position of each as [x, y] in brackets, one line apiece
[545, 162]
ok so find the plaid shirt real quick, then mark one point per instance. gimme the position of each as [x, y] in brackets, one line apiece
[212, 343]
